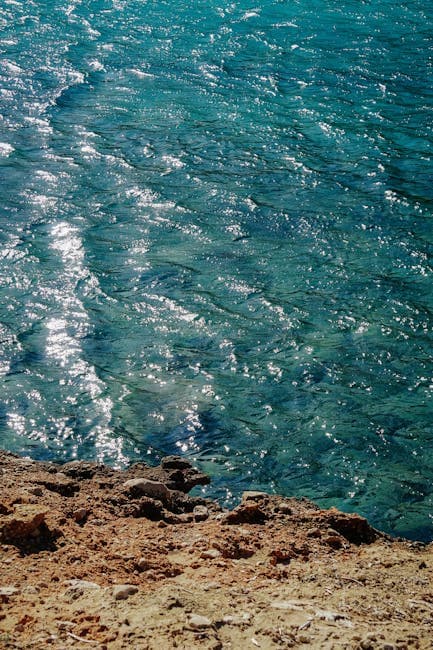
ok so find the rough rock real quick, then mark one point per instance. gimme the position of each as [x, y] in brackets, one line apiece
[254, 495]
[78, 588]
[122, 592]
[60, 483]
[147, 487]
[82, 470]
[354, 528]
[175, 472]
[23, 523]
[152, 509]
[246, 513]
[175, 462]
[285, 508]
[201, 513]
[80, 515]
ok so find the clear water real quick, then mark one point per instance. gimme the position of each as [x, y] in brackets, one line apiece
[216, 240]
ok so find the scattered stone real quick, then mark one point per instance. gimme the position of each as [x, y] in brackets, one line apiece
[175, 462]
[210, 554]
[6, 593]
[246, 513]
[254, 495]
[118, 544]
[367, 644]
[173, 602]
[303, 638]
[80, 515]
[144, 564]
[146, 507]
[198, 622]
[234, 548]
[236, 620]
[282, 555]
[83, 584]
[122, 592]
[147, 487]
[296, 606]
[326, 615]
[201, 513]
[334, 541]
[78, 588]
[285, 508]
[22, 524]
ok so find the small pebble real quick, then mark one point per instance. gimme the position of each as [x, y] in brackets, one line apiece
[198, 622]
[80, 515]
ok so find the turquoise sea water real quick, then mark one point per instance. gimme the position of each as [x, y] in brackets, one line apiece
[216, 240]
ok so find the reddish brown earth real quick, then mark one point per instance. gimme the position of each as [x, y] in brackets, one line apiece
[92, 557]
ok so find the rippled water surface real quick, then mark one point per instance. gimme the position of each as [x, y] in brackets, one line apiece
[216, 240]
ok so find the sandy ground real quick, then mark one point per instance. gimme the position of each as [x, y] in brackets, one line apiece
[96, 558]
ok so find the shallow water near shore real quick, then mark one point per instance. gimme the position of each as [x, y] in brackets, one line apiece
[216, 240]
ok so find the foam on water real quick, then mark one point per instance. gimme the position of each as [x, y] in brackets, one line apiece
[216, 241]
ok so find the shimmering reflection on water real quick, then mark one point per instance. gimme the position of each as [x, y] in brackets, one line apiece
[216, 240]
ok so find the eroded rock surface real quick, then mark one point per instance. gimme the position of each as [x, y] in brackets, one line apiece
[95, 557]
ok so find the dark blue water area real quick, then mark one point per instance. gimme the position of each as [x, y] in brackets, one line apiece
[216, 240]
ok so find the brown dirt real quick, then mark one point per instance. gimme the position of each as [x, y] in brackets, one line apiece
[163, 570]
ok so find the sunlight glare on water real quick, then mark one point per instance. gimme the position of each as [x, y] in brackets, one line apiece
[216, 241]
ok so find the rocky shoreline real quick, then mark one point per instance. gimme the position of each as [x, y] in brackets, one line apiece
[93, 557]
